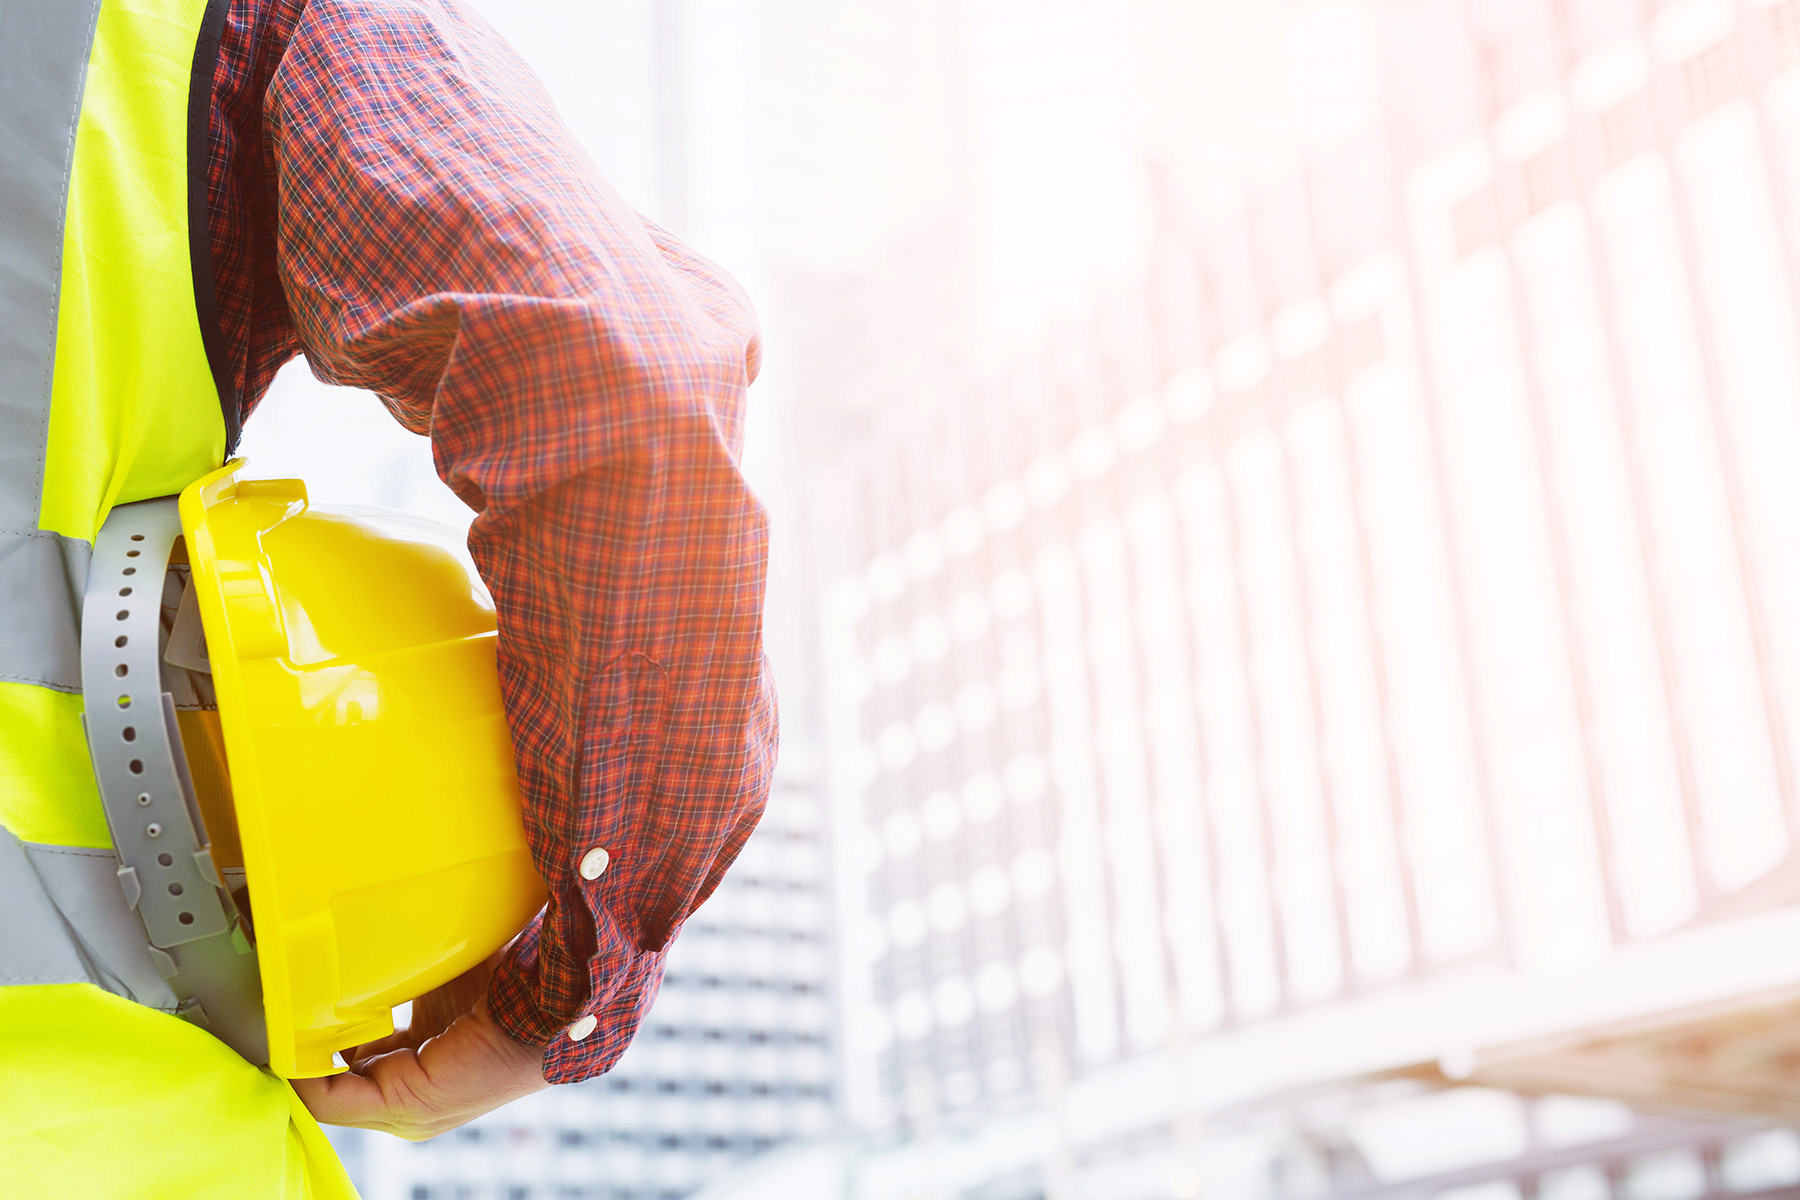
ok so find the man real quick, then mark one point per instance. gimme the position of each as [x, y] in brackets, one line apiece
[390, 191]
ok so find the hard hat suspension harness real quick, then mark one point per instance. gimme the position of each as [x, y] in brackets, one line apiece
[361, 726]
[166, 870]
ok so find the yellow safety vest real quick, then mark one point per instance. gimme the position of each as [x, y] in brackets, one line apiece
[107, 396]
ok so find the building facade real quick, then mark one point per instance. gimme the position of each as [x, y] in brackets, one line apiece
[1365, 646]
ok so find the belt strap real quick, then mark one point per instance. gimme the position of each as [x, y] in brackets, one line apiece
[165, 868]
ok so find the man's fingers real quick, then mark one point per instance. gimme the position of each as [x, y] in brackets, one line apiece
[400, 1039]
[347, 1099]
[470, 1068]
[426, 1023]
[379, 1093]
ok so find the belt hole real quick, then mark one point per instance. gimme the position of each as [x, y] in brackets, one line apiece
[167, 860]
[186, 918]
[124, 591]
[174, 889]
[133, 553]
[121, 670]
[137, 537]
[130, 571]
[130, 734]
[123, 613]
[137, 766]
[124, 701]
[120, 640]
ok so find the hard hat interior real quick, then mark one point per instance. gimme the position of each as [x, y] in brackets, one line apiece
[372, 794]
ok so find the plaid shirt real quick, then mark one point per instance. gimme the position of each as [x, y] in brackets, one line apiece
[393, 194]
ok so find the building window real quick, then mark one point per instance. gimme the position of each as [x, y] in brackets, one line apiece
[1545, 179]
[1784, 33]
[1625, 131]
[1706, 80]
[1308, 376]
[1363, 346]
[1475, 223]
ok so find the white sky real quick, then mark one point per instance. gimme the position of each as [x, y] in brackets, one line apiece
[819, 133]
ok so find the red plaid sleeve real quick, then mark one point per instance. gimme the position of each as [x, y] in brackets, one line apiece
[440, 239]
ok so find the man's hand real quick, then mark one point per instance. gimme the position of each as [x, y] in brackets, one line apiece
[452, 1064]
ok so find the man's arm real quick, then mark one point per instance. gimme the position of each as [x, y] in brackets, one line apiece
[445, 243]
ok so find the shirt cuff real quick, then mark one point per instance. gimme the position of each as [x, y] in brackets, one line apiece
[587, 1036]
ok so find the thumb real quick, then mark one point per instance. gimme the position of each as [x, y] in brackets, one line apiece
[355, 1097]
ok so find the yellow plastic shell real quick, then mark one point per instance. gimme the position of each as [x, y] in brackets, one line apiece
[371, 767]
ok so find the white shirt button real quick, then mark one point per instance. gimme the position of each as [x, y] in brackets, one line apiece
[583, 1027]
[594, 862]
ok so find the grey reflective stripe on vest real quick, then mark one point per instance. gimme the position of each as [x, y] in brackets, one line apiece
[58, 927]
[44, 47]
[42, 578]
[63, 915]
[66, 922]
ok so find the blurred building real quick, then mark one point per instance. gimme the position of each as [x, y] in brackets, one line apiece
[1359, 658]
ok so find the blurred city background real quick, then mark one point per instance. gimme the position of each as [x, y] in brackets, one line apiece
[1286, 600]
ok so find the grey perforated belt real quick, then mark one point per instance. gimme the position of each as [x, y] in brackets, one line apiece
[196, 936]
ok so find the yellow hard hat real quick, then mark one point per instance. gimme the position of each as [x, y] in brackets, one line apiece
[370, 767]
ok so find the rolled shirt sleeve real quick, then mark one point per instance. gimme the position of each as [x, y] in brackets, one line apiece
[442, 241]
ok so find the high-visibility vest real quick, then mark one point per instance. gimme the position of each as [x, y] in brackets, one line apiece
[107, 396]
